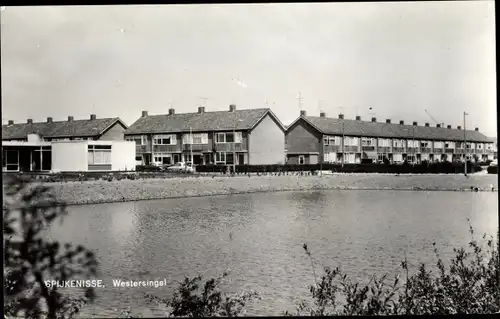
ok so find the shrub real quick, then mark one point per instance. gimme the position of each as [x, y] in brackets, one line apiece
[492, 169]
[196, 299]
[30, 259]
[469, 286]
[147, 168]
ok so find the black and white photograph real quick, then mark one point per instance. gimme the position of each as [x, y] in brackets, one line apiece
[250, 159]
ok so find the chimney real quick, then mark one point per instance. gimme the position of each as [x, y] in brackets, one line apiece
[49, 120]
[303, 113]
[358, 118]
[438, 125]
[426, 124]
[322, 114]
[171, 111]
[402, 122]
[415, 123]
[30, 121]
[476, 129]
[201, 109]
[144, 113]
[70, 118]
[449, 126]
[341, 116]
[388, 121]
[459, 127]
[232, 107]
[92, 116]
[374, 119]
[11, 122]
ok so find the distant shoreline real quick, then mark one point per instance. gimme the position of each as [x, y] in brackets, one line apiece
[100, 191]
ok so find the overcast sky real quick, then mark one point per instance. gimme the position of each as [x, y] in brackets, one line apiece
[398, 58]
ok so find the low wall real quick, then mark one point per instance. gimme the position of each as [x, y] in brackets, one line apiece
[102, 191]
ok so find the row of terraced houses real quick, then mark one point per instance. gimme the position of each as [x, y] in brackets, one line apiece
[250, 136]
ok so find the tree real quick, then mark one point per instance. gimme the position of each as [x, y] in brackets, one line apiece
[30, 259]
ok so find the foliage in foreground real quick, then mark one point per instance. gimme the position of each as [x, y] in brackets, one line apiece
[470, 285]
[30, 259]
[194, 298]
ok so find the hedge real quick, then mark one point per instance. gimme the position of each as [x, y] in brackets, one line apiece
[424, 168]
[492, 169]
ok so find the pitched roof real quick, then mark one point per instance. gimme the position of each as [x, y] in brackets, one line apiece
[327, 125]
[84, 128]
[206, 121]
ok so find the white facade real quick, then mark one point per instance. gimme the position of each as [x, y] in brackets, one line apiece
[71, 156]
[82, 156]
[122, 155]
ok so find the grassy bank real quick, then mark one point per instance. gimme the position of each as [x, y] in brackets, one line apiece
[104, 191]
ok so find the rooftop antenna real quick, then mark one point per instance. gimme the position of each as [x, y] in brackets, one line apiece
[204, 101]
[433, 119]
[371, 112]
[320, 103]
[300, 98]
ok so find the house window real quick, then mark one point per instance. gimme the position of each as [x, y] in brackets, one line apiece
[99, 154]
[351, 141]
[302, 159]
[367, 142]
[412, 143]
[333, 140]
[10, 160]
[224, 158]
[162, 158]
[330, 157]
[398, 143]
[384, 142]
[229, 137]
[424, 144]
[138, 158]
[196, 138]
[164, 140]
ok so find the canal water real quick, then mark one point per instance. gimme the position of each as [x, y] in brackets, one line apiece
[259, 238]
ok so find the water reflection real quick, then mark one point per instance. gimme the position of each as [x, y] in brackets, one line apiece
[259, 237]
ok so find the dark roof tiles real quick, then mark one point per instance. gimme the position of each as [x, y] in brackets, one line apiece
[207, 121]
[84, 128]
[377, 129]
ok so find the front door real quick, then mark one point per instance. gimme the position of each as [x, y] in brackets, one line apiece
[197, 159]
[241, 159]
[177, 158]
[166, 160]
[208, 159]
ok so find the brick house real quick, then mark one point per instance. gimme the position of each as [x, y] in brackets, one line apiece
[315, 139]
[251, 136]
